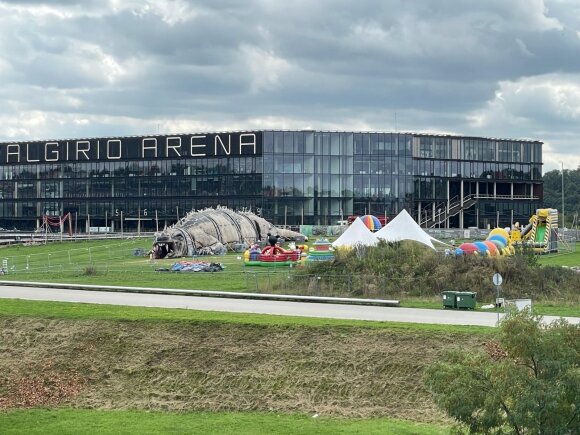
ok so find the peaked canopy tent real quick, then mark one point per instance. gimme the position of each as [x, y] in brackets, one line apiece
[356, 234]
[404, 227]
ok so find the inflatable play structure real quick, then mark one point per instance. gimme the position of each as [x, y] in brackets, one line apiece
[213, 232]
[541, 233]
[271, 255]
[498, 242]
[320, 251]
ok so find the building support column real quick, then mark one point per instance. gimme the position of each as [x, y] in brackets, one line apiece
[419, 212]
[448, 204]
[512, 191]
[461, 212]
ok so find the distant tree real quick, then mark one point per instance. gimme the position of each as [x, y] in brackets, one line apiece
[527, 381]
[553, 191]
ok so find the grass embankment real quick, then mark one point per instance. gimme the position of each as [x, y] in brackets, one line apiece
[192, 361]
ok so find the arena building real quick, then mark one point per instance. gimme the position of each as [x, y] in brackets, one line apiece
[288, 177]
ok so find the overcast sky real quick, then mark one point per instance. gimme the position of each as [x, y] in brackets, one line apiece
[493, 68]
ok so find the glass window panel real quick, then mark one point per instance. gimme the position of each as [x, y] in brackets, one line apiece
[334, 186]
[426, 147]
[347, 165]
[288, 142]
[325, 144]
[299, 143]
[318, 145]
[374, 143]
[288, 167]
[366, 143]
[278, 163]
[268, 142]
[309, 143]
[361, 165]
[308, 185]
[335, 144]
[278, 143]
[335, 165]
[308, 164]
[298, 185]
[358, 143]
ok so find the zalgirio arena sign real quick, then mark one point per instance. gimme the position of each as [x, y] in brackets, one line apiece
[134, 147]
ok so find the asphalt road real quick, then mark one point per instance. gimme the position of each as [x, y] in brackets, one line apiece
[323, 310]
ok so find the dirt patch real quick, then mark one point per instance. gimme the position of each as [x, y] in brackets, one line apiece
[34, 386]
[214, 366]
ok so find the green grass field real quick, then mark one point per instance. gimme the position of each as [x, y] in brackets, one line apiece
[70, 421]
[562, 259]
[79, 311]
[111, 262]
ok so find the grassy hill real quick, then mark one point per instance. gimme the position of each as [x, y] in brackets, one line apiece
[185, 361]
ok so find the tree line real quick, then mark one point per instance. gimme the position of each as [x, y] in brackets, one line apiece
[553, 192]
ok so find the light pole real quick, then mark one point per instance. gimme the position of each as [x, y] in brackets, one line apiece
[563, 221]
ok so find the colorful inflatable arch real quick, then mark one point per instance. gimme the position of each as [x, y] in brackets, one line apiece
[498, 242]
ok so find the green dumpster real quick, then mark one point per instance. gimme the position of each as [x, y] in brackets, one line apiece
[449, 299]
[465, 300]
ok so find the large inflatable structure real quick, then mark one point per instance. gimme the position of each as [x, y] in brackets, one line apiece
[271, 255]
[498, 242]
[213, 231]
[541, 233]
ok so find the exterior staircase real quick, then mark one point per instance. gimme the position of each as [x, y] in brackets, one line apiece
[455, 207]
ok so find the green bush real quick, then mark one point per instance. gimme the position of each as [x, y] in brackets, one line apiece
[90, 271]
[527, 380]
[409, 269]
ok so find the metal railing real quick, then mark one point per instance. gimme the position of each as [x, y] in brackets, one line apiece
[456, 205]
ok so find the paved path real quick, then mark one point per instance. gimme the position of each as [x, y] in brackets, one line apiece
[326, 310]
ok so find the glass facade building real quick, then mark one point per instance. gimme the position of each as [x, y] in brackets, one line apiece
[288, 177]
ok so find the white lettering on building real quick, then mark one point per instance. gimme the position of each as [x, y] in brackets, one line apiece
[227, 150]
[174, 147]
[13, 153]
[53, 152]
[110, 143]
[82, 150]
[145, 147]
[28, 154]
[193, 145]
[248, 139]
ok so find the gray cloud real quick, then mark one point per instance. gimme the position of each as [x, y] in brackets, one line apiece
[125, 67]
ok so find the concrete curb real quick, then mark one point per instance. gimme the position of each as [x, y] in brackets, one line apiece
[208, 293]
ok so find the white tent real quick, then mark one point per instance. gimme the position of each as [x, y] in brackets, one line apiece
[356, 234]
[404, 227]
